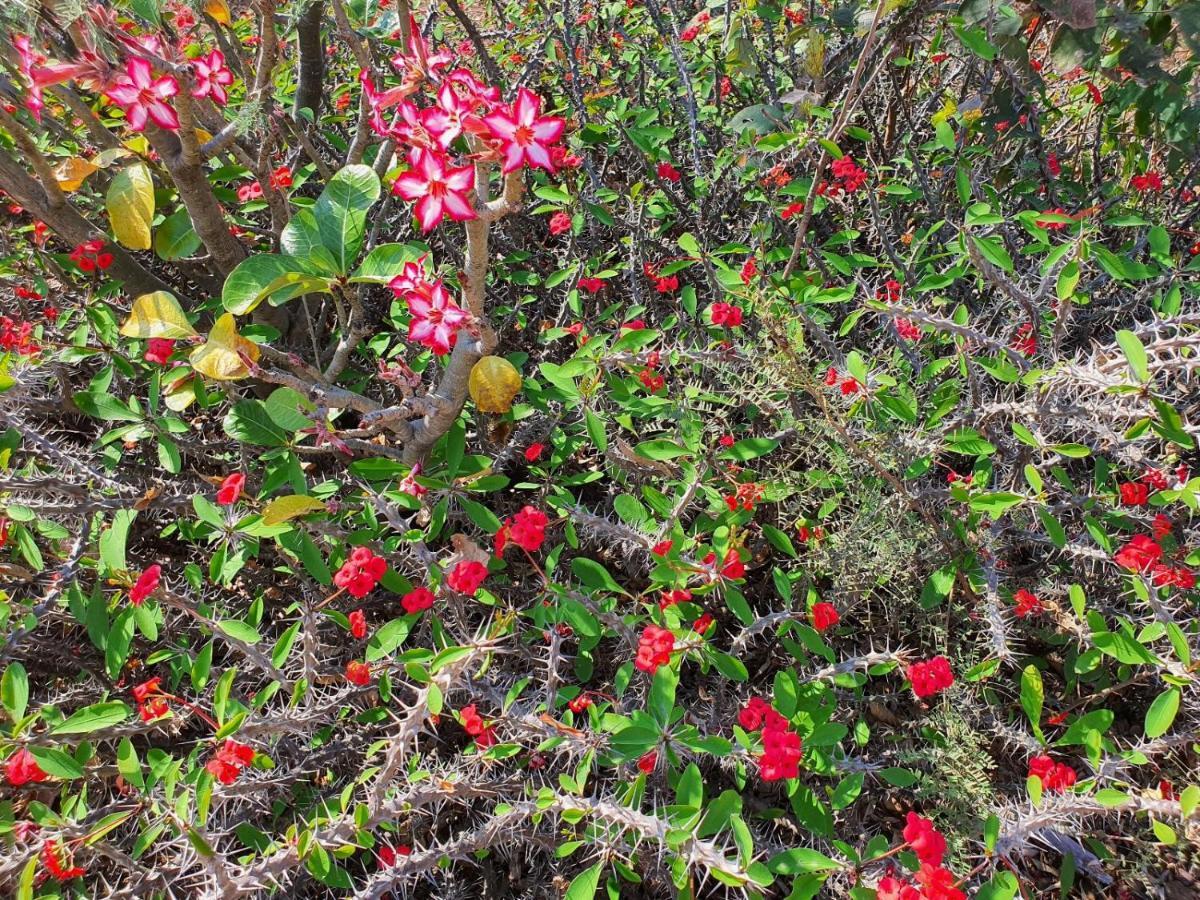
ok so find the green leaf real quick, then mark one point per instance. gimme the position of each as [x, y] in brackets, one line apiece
[594, 575]
[239, 630]
[14, 691]
[56, 763]
[176, 238]
[341, 213]
[661, 450]
[1135, 355]
[250, 422]
[750, 448]
[243, 289]
[801, 859]
[584, 885]
[93, 718]
[385, 262]
[995, 505]
[1033, 696]
[1162, 711]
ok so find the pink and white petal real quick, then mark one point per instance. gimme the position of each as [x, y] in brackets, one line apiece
[460, 179]
[526, 107]
[139, 71]
[549, 129]
[163, 115]
[502, 125]
[420, 330]
[410, 186]
[165, 87]
[135, 115]
[514, 158]
[218, 94]
[459, 207]
[123, 94]
[539, 156]
[429, 212]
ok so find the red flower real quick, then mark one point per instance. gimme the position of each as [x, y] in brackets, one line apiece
[248, 192]
[281, 178]
[751, 715]
[782, 749]
[648, 761]
[147, 584]
[851, 174]
[732, 567]
[358, 673]
[90, 256]
[579, 703]
[1162, 526]
[930, 677]
[654, 649]
[1147, 183]
[560, 222]
[668, 171]
[159, 350]
[524, 133]
[726, 314]
[439, 188]
[1134, 493]
[473, 724]
[146, 689]
[792, 209]
[153, 708]
[892, 888]
[1166, 576]
[230, 760]
[591, 285]
[689, 34]
[360, 573]
[1097, 96]
[702, 624]
[527, 529]
[358, 624]
[1053, 164]
[22, 768]
[662, 548]
[1139, 555]
[144, 97]
[231, 489]
[58, 863]
[212, 77]
[670, 598]
[533, 452]
[938, 884]
[417, 600]
[668, 284]
[824, 616]
[467, 576]
[1055, 776]
[1027, 604]
[925, 840]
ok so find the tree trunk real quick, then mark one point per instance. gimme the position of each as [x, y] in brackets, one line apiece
[311, 68]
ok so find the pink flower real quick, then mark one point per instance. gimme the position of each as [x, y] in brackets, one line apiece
[147, 584]
[212, 77]
[358, 624]
[144, 97]
[560, 222]
[525, 134]
[435, 318]
[438, 188]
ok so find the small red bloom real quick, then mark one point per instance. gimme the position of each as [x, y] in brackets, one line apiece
[1134, 493]
[668, 171]
[527, 529]
[281, 178]
[560, 222]
[1055, 776]
[58, 862]
[662, 548]
[925, 840]
[147, 584]
[851, 174]
[591, 285]
[1027, 604]
[1162, 526]
[702, 624]
[22, 768]
[670, 598]
[229, 761]
[231, 489]
[159, 350]
[654, 649]
[360, 573]
[824, 616]
[726, 314]
[1139, 555]
[648, 761]
[751, 715]
[533, 452]
[1096, 94]
[467, 576]
[930, 677]
[417, 600]
[938, 884]
[579, 703]
[782, 749]
[358, 624]
[358, 673]
[1147, 183]
[689, 34]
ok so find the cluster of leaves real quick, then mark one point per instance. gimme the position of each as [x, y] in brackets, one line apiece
[823, 523]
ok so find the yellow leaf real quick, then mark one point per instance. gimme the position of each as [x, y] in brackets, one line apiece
[493, 384]
[72, 173]
[181, 394]
[219, 10]
[219, 357]
[157, 315]
[202, 136]
[130, 205]
[283, 508]
[948, 109]
[106, 158]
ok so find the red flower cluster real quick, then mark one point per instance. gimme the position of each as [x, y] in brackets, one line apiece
[650, 378]
[1027, 604]
[146, 584]
[579, 703]
[1055, 776]
[151, 701]
[726, 314]
[358, 624]
[90, 256]
[534, 452]
[1025, 340]
[473, 724]
[17, 337]
[850, 173]
[924, 839]
[848, 385]
[159, 350]
[746, 496]
[782, 747]
[1151, 181]
[591, 285]
[22, 768]
[467, 576]
[230, 760]
[527, 529]
[670, 598]
[824, 616]
[732, 566]
[358, 673]
[560, 223]
[417, 600]
[890, 292]
[231, 489]
[654, 649]
[360, 573]
[1139, 555]
[668, 171]
[58, 862]
[930, 677]
[1134, 493]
